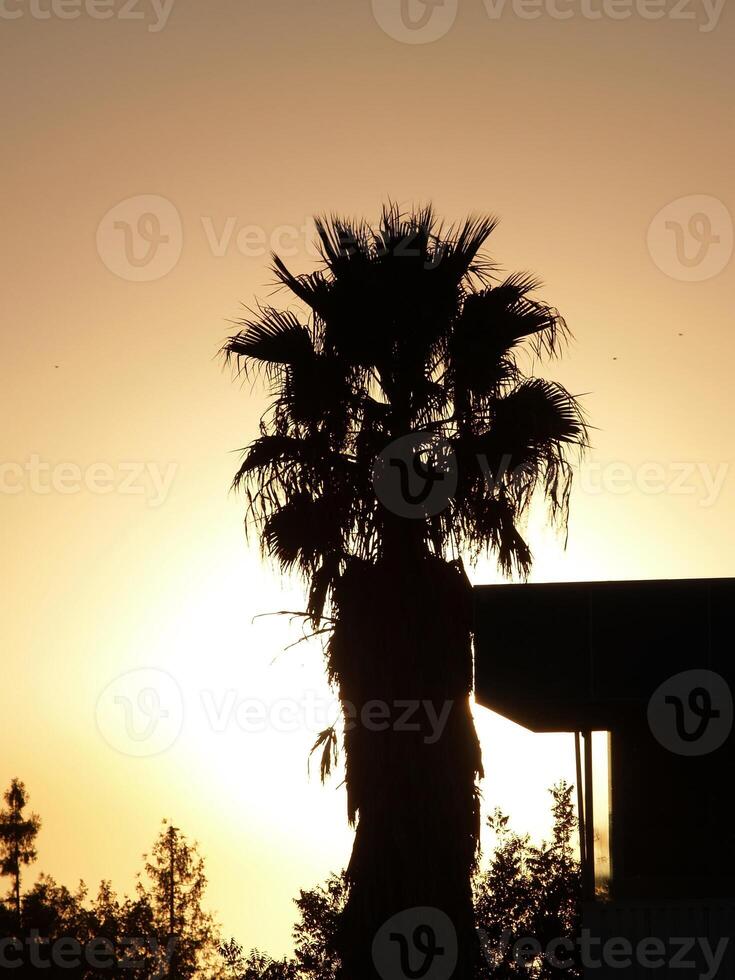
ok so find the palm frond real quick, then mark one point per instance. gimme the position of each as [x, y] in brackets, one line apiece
[460, 250]
[277, 337]
[326, 740]
[492, 324]
[268, 451]
[304, 531]
[540, 412]
[322, 581]
[341, 240]
[311, 288]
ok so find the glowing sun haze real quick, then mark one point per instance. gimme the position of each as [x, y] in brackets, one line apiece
[249, 117]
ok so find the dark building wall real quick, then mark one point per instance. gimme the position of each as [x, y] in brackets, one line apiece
[673, 832]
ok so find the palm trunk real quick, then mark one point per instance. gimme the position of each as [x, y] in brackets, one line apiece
[401, 653]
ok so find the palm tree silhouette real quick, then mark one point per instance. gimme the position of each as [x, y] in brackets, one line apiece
[408, 336]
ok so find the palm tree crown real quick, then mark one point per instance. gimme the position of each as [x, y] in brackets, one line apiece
[407, 332]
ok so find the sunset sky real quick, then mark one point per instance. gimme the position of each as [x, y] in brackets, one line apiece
[123, 547]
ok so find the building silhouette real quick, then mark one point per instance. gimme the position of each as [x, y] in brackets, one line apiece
[642, 673]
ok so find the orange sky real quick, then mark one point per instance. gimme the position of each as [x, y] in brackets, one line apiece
[247, 118]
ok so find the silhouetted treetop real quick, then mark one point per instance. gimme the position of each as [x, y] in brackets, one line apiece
[407, 331]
